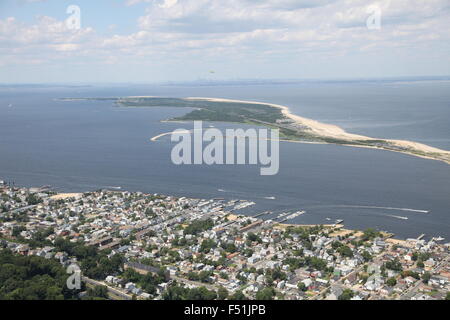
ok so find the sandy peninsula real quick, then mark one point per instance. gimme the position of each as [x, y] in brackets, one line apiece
[335, 132]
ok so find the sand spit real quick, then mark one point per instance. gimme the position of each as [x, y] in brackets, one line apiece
[335, 132]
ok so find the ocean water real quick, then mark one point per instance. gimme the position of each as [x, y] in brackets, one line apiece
[87, 145]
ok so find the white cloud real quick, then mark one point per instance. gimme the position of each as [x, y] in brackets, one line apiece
[47, 30]
[182, 30]
[46, 41]
[280, 26]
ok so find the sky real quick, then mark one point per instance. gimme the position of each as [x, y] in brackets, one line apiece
[148, 41]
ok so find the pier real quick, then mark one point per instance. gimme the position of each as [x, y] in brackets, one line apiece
[262, 214]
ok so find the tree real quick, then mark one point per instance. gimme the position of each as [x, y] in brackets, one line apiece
[238, 296]
[150, 213]
[370, 234]
[248, 252]
[347, 294]
[175, 292]
[207, 245]
[426, 277]
[391, 282]
[204, 276]
[32, 278]
[409, 273]
[253, 237]
[447, 297]
[223, 275]
[17, 230]
[265, 294]
[302, 287]
[33, 199]
[98, 292]
[336, 244]
[229, 247]
[3, 208]
[394, 265]
[222, 293]
[198, 226]
[366, 256]
[94, 263]
[345, 251]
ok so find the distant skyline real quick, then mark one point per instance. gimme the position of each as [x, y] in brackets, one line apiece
[147, 41]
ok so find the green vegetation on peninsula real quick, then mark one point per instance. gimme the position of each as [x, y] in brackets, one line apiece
[292, 128]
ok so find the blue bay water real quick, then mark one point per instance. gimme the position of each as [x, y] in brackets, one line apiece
[86, 145]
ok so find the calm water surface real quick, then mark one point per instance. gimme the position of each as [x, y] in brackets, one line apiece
[86, 145]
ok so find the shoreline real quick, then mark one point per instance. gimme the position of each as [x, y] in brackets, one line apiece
[64, 195]
[157, 137]
[336, 132]
[328, 131]
[340, 227]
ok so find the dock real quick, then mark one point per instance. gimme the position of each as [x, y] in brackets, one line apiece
[261, 214]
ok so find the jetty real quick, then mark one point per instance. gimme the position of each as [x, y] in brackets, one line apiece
[262, 214]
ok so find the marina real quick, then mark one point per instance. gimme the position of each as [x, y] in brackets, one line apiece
[292, 216]
[305, 169]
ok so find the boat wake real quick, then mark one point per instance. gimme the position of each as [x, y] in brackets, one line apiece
[397, 217]
[115, 188]
[384, 208]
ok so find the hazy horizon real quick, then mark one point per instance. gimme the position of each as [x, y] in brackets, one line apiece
[153, 41]
[231, 81]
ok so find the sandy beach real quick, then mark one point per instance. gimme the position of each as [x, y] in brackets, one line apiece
[63, 196]
[319, 128]
[335, 132]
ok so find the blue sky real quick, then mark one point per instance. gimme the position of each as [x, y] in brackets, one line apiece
[182, 40]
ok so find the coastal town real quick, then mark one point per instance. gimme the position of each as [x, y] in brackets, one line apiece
[141, 246]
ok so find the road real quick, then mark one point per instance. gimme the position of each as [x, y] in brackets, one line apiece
[194, 283]
[340, 282]
[22, 209]
[111, 290]
[408, 293]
